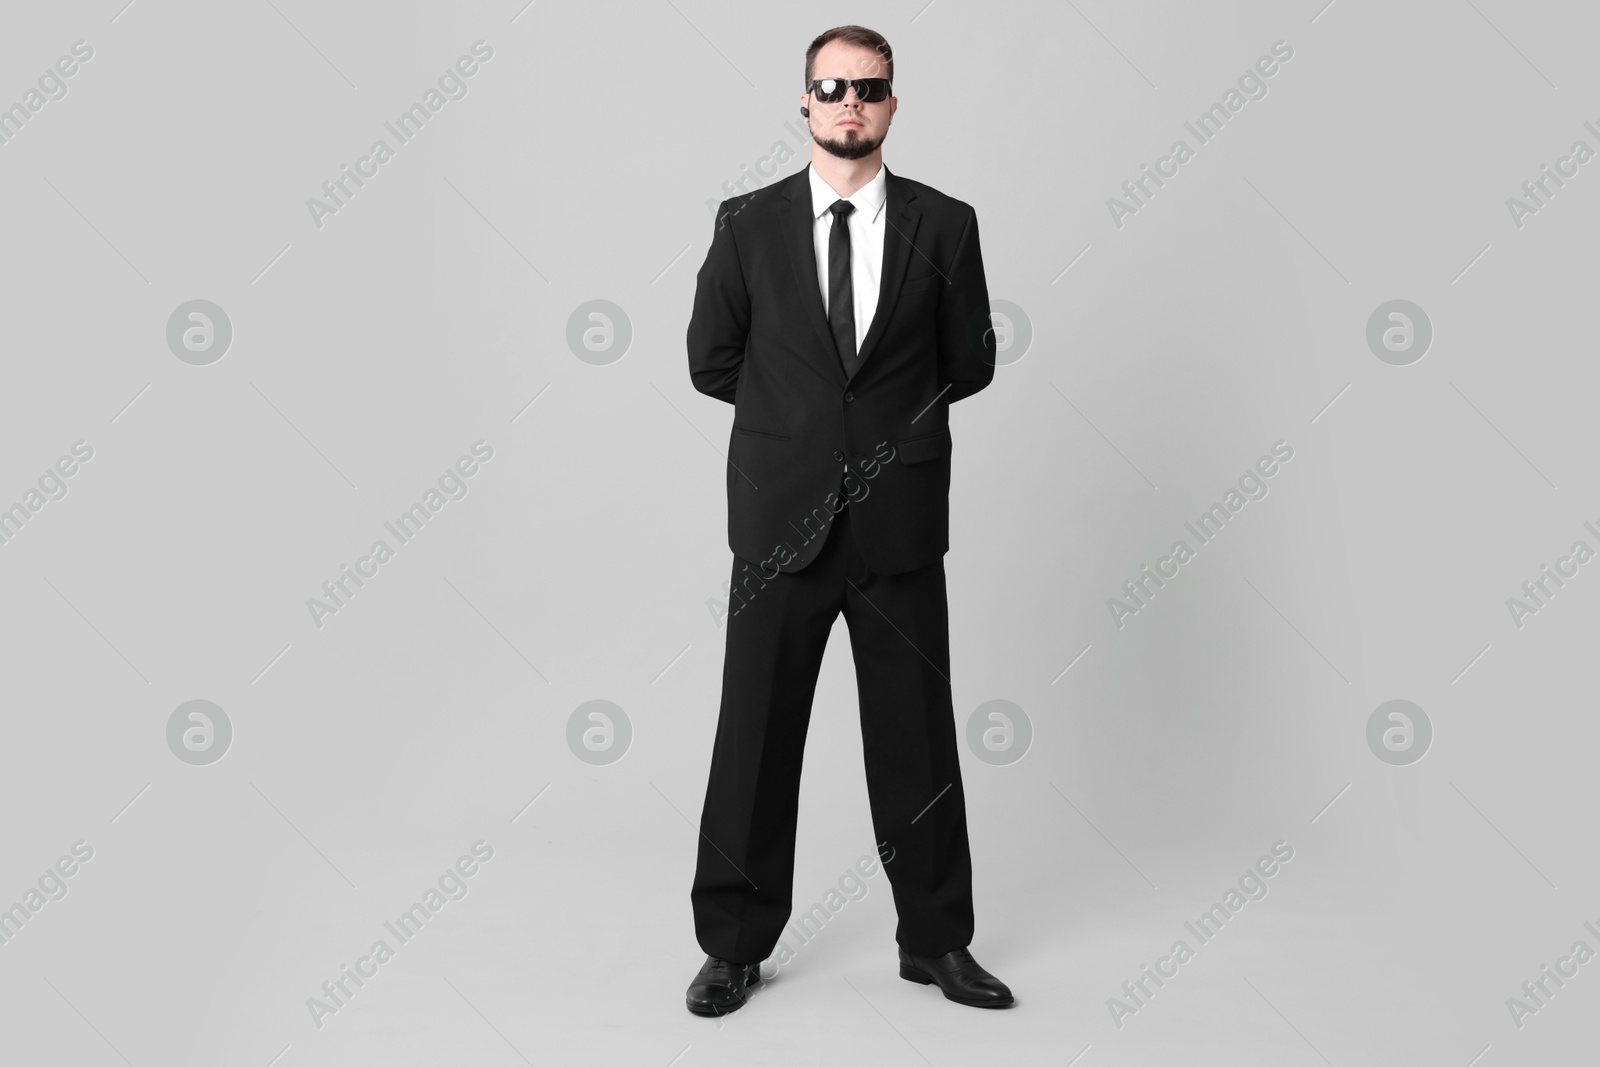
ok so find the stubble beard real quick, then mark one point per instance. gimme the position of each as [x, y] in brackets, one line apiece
[852, 146]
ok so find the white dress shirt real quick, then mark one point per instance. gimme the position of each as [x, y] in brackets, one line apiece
[866, 224]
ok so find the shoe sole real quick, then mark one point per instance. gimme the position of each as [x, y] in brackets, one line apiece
[913, 975]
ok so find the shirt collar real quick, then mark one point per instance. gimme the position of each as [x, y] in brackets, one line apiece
[868, 199]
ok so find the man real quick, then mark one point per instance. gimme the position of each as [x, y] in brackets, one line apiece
[841, 310]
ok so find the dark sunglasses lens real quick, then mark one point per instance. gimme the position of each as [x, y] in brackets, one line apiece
[877, 90]
[830, 90]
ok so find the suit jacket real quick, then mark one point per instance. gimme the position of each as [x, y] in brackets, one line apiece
[758, 338]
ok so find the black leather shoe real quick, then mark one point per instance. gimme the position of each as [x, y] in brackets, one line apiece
[959, 975]
[721, 986]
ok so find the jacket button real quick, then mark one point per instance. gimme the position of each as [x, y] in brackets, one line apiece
[838, 457]
[849, 397]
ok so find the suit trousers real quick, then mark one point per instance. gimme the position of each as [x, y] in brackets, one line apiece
[899, 637]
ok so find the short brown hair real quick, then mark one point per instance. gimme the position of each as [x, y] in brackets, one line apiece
[852, 35]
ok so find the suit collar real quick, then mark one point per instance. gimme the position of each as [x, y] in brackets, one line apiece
[868, 199]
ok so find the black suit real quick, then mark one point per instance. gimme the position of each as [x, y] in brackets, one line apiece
[759, 339]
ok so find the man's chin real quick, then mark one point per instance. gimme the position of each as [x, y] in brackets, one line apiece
[853, 148]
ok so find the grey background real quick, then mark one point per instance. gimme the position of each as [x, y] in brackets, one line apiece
[431, 311]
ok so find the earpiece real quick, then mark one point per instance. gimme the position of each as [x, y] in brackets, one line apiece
[806, 112]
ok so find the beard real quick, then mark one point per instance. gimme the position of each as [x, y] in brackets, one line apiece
[851, 146]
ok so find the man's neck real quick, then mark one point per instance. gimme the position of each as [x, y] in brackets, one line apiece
[845, 176]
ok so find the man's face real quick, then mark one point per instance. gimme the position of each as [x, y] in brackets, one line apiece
[849, 129]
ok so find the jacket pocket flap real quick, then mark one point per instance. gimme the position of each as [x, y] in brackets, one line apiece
[921, 449]
[761, 433]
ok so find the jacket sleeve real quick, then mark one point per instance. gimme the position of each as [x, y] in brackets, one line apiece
[966, 333]
[719, 325]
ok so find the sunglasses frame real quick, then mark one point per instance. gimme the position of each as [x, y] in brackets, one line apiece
[860, 85]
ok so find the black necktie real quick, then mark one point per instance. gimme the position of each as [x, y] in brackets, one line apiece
[841, 297]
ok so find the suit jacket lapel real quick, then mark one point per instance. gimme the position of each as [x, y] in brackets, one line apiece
[899, 240]
[800, 240]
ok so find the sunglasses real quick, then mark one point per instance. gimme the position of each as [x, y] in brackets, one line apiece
[832, 90]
